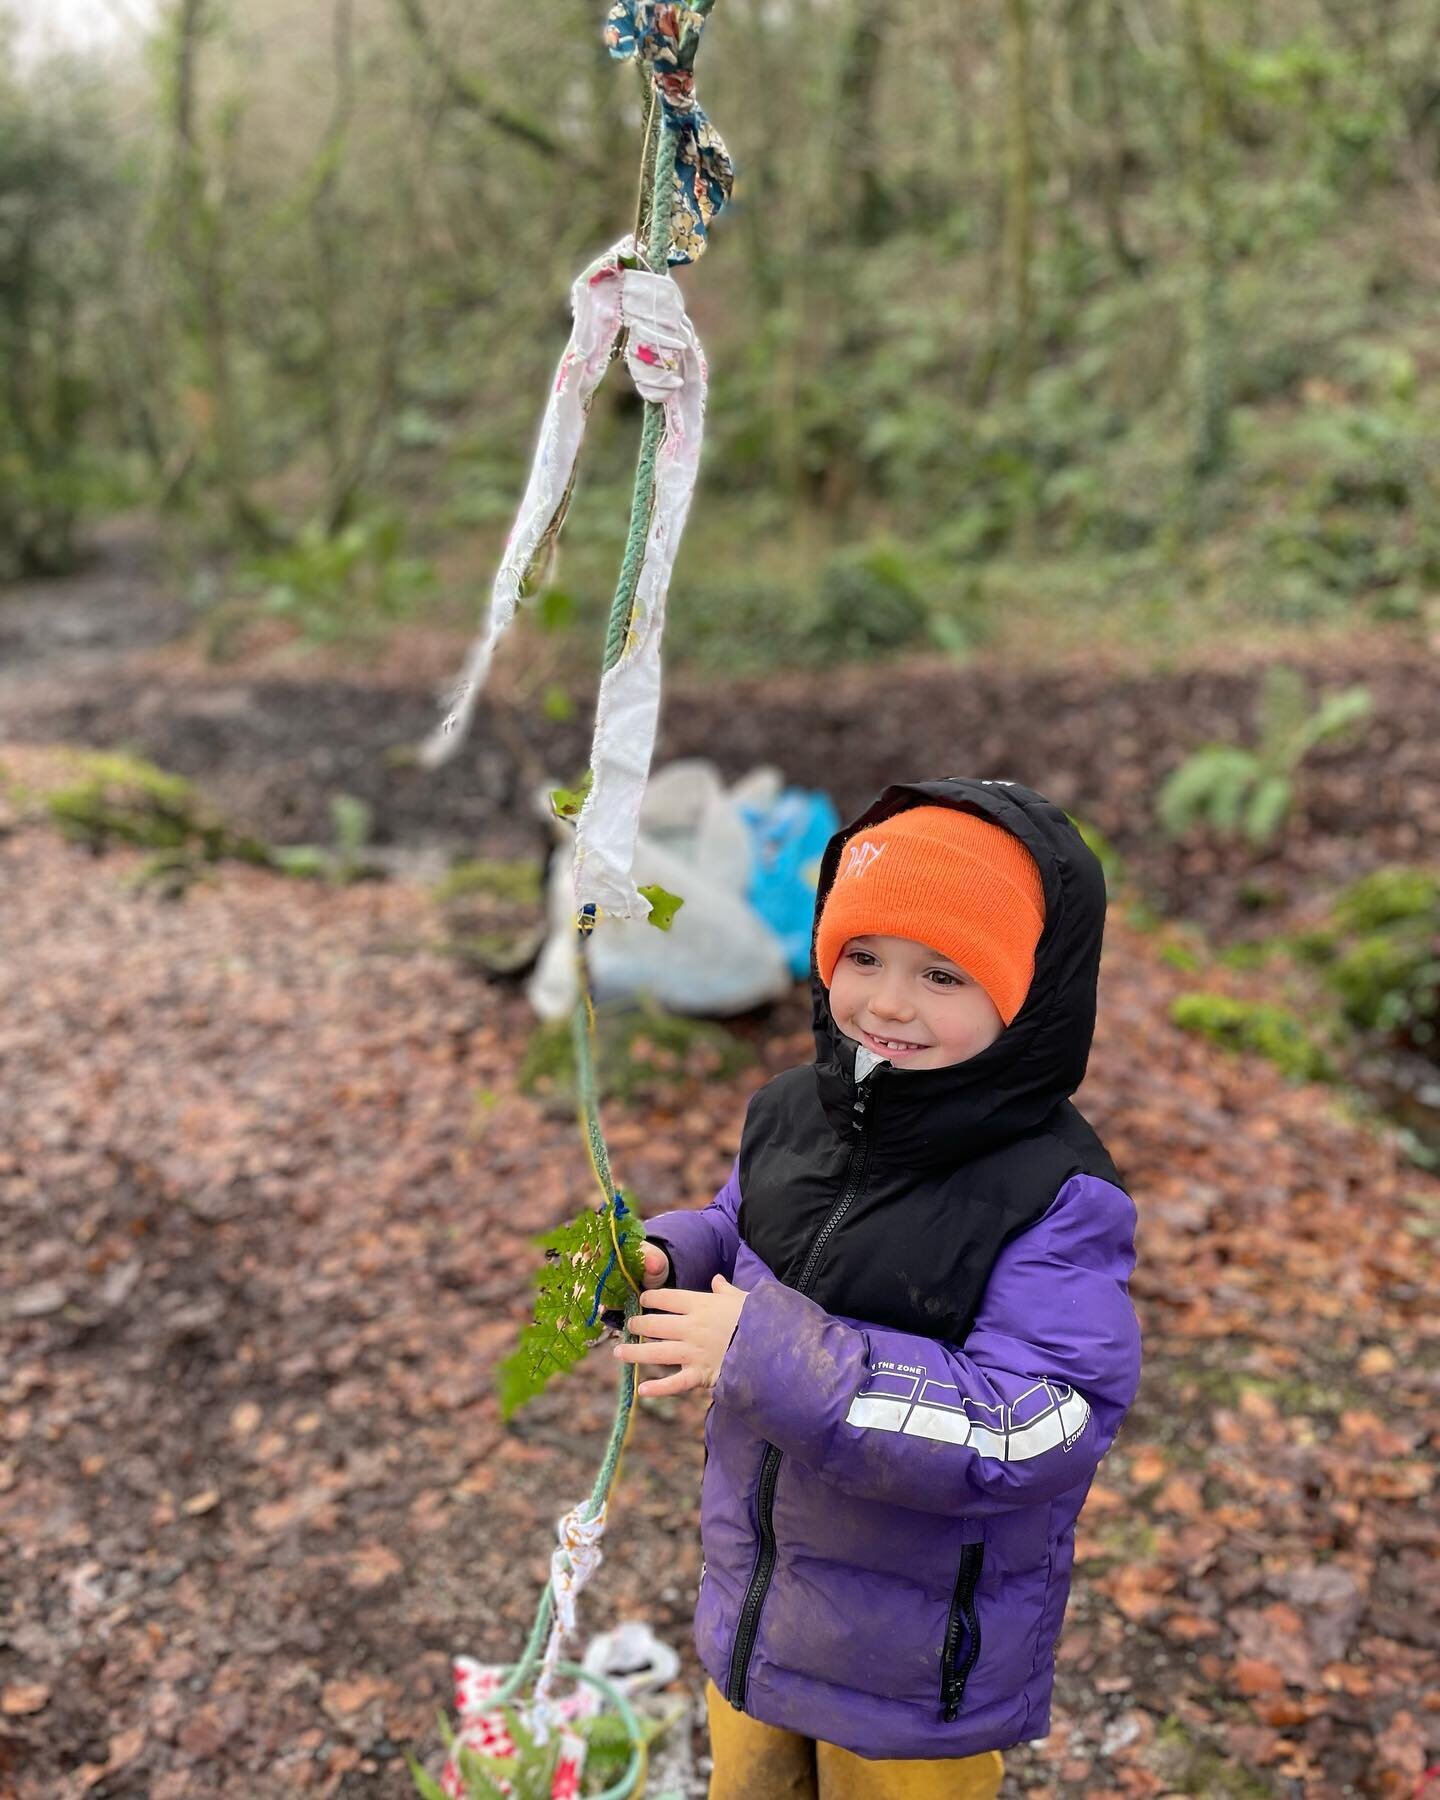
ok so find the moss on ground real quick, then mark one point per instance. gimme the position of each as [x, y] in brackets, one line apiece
[1273, 1032]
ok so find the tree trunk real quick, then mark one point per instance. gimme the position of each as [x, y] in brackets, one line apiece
[197, 225]
[1210, 445]
[860, 187]
[1113, 157]
[1017, 254]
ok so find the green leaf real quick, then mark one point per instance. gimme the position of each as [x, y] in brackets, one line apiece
[663, 905]
[477, 1772]
[1338, 712]
[1209, 785]
[577, 1256]
[425, 1784]
[567, 802]
[1267, 809]
[1232, 781]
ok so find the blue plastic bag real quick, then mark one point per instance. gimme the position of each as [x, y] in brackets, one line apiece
[787, 840]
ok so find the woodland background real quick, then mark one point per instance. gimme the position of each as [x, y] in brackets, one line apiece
[1074, 418]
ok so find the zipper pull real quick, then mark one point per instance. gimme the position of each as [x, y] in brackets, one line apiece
[863, 1091]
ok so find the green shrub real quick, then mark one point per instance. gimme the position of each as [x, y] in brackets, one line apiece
[1379, 954]
[1389, 897]
[1271, 1031]
[742, 624]
[1391, 982]
[1237, 791]
[343, 585]
[1384, 961]
[868, 600]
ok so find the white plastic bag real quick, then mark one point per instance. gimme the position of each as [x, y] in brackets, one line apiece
[719, 956]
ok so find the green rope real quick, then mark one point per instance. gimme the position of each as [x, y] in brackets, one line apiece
[661, 147]
[630, 1782]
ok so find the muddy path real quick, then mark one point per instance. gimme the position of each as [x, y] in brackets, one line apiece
[273, 746]
[77, 626]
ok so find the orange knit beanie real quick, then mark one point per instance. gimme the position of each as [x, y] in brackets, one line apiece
[947, 879]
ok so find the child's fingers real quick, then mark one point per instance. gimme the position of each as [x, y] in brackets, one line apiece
[658, 1325]
[656, 1265]
[679, 1383]
[671, 1299]
[651, 1353]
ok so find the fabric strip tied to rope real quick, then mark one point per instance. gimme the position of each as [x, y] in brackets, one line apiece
[648, 33]
[666, 362]
[571, 1566]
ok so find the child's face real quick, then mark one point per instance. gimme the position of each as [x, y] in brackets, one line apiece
[910, 1004]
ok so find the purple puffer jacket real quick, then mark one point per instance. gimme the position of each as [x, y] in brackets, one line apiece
[937, 1349]
[926, 1494]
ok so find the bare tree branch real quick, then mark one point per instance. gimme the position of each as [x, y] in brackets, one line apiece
[463, 90]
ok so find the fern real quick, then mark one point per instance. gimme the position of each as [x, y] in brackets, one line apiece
[1234, 790]
[1207, 785]
[578, 1281]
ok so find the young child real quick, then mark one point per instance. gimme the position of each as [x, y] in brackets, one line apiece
[910, 1301]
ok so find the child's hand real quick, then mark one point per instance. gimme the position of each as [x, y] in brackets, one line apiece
[657, 1266]
[693, 1330]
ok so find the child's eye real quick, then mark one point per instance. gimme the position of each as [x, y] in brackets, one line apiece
[862, 957]
[943, 978]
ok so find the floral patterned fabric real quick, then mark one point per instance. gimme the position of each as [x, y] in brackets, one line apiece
[643, 31]
[482, 1728]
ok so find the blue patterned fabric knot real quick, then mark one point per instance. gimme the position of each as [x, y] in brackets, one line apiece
[649, 32]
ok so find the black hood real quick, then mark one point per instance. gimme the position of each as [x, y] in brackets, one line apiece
[936, 1115]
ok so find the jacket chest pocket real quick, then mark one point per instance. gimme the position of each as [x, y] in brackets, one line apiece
[962, 1632]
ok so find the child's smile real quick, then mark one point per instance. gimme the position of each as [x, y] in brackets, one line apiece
[891, 1046]
[910, 1004]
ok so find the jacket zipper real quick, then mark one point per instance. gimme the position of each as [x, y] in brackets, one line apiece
[770, 1463]
[962, 1607]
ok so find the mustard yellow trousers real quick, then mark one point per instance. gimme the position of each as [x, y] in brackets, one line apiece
[761, 1762]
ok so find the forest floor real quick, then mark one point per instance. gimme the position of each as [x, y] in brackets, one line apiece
[269, 1190]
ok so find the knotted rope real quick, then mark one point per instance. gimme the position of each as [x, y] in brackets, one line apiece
[664, 38]
[615, 297]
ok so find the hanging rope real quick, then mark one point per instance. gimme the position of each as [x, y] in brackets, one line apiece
[623, 295]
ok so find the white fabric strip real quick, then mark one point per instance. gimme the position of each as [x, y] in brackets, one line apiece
[667, 364]
[595, 305]
[629, 700]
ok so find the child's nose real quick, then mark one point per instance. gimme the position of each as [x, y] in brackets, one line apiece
[893, 1003]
